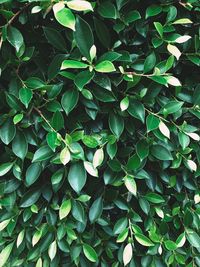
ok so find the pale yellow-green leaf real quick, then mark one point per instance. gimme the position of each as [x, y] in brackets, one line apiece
[174, 51]
[173, 81]
[127, 254]
[181, 240]
[93, 51]
[182, 21]
[5, 253]
[20, 238]
[130, 184]
[39, 263]
[4, 224]
[90, 169]
[79, 5]
[197, 198]
[65, 209]
[164, 129]
[182, 39]
[65, 156]
[192, 165]
[194, 136]
[98, 157]
[52, 250]
[36, 237]
[58, 6]
[124, 104]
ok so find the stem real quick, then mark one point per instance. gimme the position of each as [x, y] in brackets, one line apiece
[47, 122]
[155, 114]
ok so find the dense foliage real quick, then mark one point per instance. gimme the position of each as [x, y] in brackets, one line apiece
[99, 133]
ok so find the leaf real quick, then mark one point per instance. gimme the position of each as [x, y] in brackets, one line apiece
[65, 156]
[142, 149]
[183, 39]
[136, 109]
[164, 129]
[43, 153]
[127, 254]
[90, 141]
[20, 238]
[5, 253]
[33, 173]
[52, 250]
[90, 168]
[159, 28]
[5, 168]
[73, 64]
[39, 263]
[51, 140]
[79, 5]
[4, 224]
[98, 157]
[122, 236]
[194, 136]
[90, 253]
[15, 38]
[69, 100]
[172, 107]
[191, 165]
[143, 240]
[64, 16]
[20, 145]
[83, 78]
[182, 21]
[7, 131]
[154, 198]
[160, 152]
[170, 245]
[116, 124]
[25, 96]
[124, 104]
[105, 66]
[174, 51]
[153, 10]
[130, 184]
[29, 198]
[17, 118]
[173, 81]
[77, 176]
[36, 237]
[65, 209]
[150, 62]
[84, 37]
[120, 225]
[152, 122]
[55, 38]
[96, 210]
[193, 238]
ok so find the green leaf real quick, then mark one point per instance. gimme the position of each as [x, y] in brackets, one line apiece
[51, 140]
[124, 104]
[153, 10]
[136, 109]
[170, 245]
[84, 37]
[98, 157]
[83, 78]
[55, 38]
[5, 254]
[33, 173]
[5, 168]
[90, 253]
[64, 16]
[172, 107]
[20, 145]
[107, 10]
[69, 100]
[154, 198]
[143, 240]
[52, 250]
[43, 153]
[150, 62]
[159, 28]
[152, 122]
[160, 152]
[133, 162]
[182, 21]
[132, 16]
[65, 156]
[142, 149]
[96, 210]
[65, 209]
[7, 131]
[17, 118]
[116, 124]
[15, 38]
[105, 66]
[91, 169]
[122, 236]
[193, 238]
[25, 96]
[90, 141]
[30, 198]
[120, 225]
[73, 64]
[77, 176]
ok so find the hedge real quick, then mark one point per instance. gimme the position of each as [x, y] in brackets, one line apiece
[99, 133]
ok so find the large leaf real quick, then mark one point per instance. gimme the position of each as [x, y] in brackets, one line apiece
[77, 176]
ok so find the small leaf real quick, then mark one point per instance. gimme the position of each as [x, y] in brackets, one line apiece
[154, 198]
[17, 118]
[194, 136]
[152, 122]
[69, 100]
[25, 95]
[90, 253]
[65, 209]
[52, 250]
[183, 39]
[15, 38]
[5, 253]
[173, 81]
[90, 168]
[73, 64]
[143, 240]
[191, 165]
[77, 176]
[98, 157]
[130, 184]
[116, 124]
[64, 16]
[127, 254]
[159, 28]
[174, 51]
[96, 210]
[164, 129]
[65, 156]
[79, 5]
[124, 103]
[5, 167]
[105, 66]
[182, 21]
[160, 152]
[20, 238]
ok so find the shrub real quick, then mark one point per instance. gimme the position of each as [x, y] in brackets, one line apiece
[99, 133]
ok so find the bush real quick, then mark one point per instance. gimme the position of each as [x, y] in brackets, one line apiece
[99, 133]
